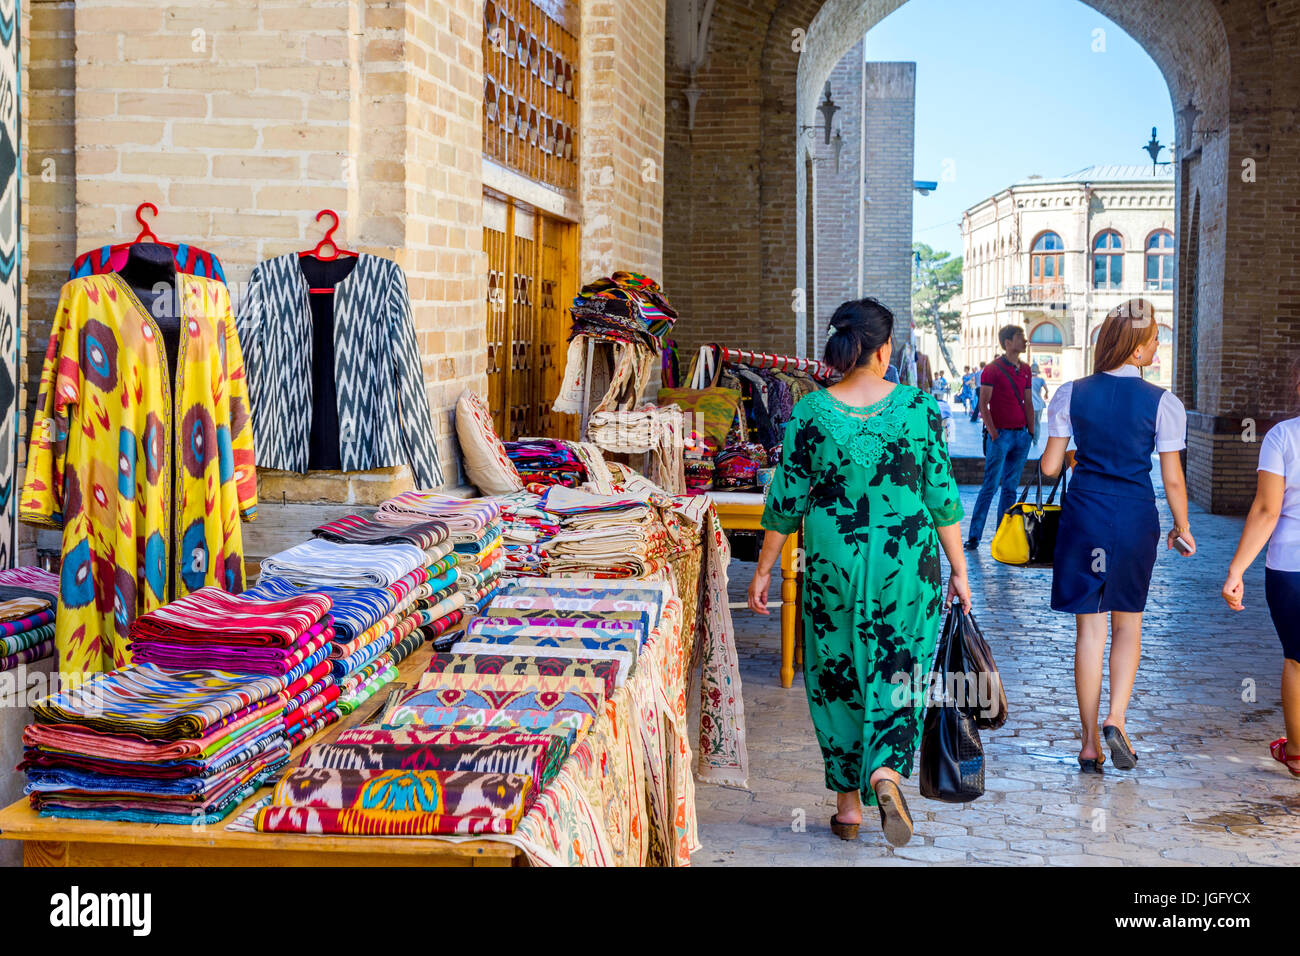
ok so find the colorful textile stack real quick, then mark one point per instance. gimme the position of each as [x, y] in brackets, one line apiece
[210, 629]
[150, 745]
[408, 781]
[358, 529]
[606, 535]
[462, 516]
[28, 599]
[626, 307]
[323, 562]
[525, 525]
[546, 461]
[374, 627]
[481, 558]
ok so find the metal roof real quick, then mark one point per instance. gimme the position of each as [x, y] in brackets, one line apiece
[1112, 173]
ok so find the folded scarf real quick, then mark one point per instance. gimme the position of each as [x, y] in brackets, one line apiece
[37, 652]
[357, 529]
[238, 660]
[149, 701]
[368, 689]
[319, 562]
[210, 613]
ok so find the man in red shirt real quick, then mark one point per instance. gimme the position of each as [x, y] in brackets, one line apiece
[1006, 404]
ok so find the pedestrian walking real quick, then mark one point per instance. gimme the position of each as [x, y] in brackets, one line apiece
[940, 388]
[1006, 407]
[865, 473]
[967, 389]
[1038, 391]
[1110, 528]
[1274, 519]
[975, 392]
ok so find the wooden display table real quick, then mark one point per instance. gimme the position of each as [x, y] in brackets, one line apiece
[52, 842]
[743, 511]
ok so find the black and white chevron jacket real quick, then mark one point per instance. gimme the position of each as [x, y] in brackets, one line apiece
[384, 417]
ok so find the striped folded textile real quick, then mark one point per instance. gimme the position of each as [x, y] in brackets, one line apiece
[406, 646]
[145, 699]
[581, 638]
[368, 688]
[234, 658]
[462, 516]
[358, 529]
[234, 619]
[326, 563]
[322, 720]
[354, 610]
[17, 644]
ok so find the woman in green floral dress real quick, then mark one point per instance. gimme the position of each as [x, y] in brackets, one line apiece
[866, 473]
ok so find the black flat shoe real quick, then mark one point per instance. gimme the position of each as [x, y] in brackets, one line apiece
[971, 545]
[1121, 752]
[895, 819]
[1090, 766]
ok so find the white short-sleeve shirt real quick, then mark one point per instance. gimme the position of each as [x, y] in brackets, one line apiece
[1171, 417]
[1278, 455]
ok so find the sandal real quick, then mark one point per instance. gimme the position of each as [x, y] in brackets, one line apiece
[1278, 749]
[1120, 749]
[845, 831]
[895, 820]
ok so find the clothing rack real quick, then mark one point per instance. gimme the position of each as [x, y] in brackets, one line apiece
[780, 363]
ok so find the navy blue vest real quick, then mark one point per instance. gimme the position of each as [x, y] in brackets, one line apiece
[1114, 423]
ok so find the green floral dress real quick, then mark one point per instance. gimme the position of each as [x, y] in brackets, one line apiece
[869, 486]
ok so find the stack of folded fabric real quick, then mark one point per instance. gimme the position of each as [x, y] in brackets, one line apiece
[210, 629]
[462, 516]
[606, 535]
[409, 781]
[525, 525]
[150, 745]
[359, 529]
[625, 307]
[482, 560]
[546, 461]
[374, 626]
[28, 598]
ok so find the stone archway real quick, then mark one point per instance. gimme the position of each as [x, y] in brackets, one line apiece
[740, 184]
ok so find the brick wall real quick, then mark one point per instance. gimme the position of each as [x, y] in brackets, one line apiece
[837, 197]
[889, 129]
[622, 150]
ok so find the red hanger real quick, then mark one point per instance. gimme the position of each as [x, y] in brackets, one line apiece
[146, 234]
[318, 252]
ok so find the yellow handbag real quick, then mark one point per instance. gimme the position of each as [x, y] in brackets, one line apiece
[1026, 535]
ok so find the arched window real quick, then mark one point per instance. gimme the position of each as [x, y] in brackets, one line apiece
[1045, 333]
[1108, 260]
[1160, 261]
[1047, 260]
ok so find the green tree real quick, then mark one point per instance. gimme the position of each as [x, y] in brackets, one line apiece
[936, 281]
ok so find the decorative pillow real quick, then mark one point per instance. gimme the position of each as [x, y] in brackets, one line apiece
[486, 461]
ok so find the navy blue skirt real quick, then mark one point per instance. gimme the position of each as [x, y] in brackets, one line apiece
[1105, 551]
[1282, 591]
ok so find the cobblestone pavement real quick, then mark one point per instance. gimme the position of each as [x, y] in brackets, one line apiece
[1206, 790]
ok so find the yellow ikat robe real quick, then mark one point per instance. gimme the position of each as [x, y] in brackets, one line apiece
[100, 461]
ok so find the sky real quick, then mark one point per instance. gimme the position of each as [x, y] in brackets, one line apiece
[1009, 88]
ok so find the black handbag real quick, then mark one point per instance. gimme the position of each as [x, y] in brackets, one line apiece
[952, 758]
[1026, 535]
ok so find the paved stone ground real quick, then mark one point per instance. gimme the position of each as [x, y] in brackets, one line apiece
[1206, 790]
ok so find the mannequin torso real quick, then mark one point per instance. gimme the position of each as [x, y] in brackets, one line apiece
[150, 271]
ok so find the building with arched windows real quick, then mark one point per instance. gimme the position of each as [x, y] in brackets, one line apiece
[1055, 255]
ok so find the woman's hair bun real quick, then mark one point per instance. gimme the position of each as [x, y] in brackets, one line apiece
[861, 326]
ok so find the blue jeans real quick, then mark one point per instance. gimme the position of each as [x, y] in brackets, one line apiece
[1004, 460]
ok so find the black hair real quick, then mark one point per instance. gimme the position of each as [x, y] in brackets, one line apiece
[859, 326]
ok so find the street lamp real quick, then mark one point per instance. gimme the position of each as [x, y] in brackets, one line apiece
[1153, 149]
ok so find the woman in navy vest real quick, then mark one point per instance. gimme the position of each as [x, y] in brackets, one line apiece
[1110, 528]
